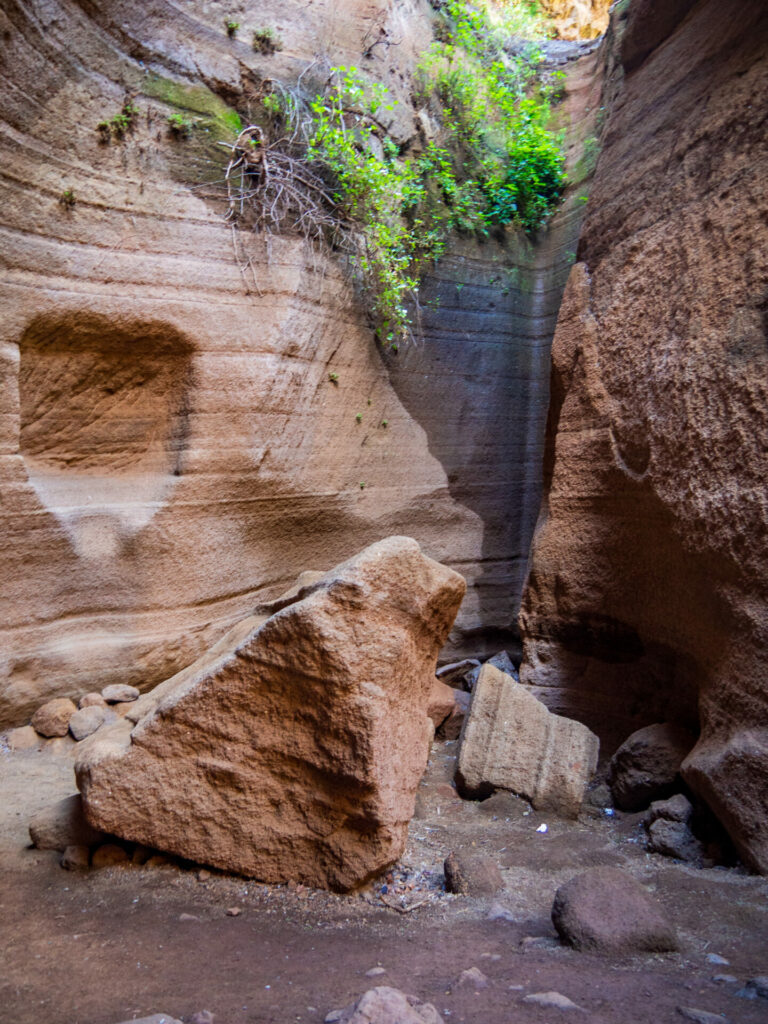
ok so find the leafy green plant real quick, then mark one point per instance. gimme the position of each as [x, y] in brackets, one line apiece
[359, 417]
[333, 378]
[67, 199]
[180, 126]
[231, 27]
[122, 122]
[266, 41]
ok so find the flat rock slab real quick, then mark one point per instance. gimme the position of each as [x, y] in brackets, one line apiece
[292, 750]
[605, 910]
[512, 742]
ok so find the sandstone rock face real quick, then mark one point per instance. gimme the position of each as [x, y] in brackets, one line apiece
[577, 19]
[648, 593]
[63, 825]
[172, 450]
[605, 910]
[510, 741]
[292, 750]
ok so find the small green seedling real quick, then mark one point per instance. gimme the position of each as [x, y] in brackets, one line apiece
[117, 126]
[231, 27]
[179, 126]
[385, 423]
[67, 199]
[333, 378]
[362, 485]
[359, 417]
[266, 41]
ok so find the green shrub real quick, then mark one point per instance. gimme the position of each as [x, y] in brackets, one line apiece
[266, 41]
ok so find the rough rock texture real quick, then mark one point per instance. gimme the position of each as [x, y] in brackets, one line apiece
[646, 766]
[441, 704]
[510, 741]
[450, 728]
[648, 592]
[472, 874]
[52, 718]
[63, 825]
[87, 720]
[292, 750]
[605, 910]
[385, 1005]
[675, 839]
[172, 450]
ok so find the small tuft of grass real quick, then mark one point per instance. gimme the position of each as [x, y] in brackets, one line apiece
[117, 127]
[67, 199]
[179, 126]
[266, 41]
[333, 378]
[231, 27]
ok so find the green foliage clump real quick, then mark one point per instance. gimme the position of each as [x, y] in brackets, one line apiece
[67, 199]
[180, 126]
[117, 126]
[232, 27]
[266, 41]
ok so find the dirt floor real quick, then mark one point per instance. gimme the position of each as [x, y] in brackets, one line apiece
[117, 943]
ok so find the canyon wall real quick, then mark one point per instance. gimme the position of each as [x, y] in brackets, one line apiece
[178, 422]
[648, 592]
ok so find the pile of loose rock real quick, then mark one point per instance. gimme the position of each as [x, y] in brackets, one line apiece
[61, 716]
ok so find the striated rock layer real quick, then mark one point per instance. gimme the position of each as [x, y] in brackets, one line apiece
[173, 448]
[292, 750]
[648, 592]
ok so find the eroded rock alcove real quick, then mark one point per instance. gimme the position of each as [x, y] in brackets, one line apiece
[103, 421]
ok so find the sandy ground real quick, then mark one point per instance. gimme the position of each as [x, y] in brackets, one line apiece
[118, 943]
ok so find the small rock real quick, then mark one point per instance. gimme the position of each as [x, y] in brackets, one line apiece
[156, 1018]
[473, 977]
[675, 839]
[109, 855]
[117, 693]
[157, 860]
[86, 721]
[203, 875]
[374, 972]
[63, 825]
[472, 874]
[202, 1017]
[677, 808]
[75, 858]
[499, 913]
[725, 979]
[441, 703]
[92, 700]
[599, 796]
[188, 917]
[720, 961]
[606, 910]
[504, 663]
[125, 708]
[702, 1016]
[555, 1000]
[233, 912]
[456, 673]
[453, 724]
[384, 1005]
[755, 988]
[490, 956]
[140, 856]
[646, 766]
[25, 738]
[52, 719]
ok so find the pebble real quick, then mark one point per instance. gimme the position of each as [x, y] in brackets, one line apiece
[75, 858]
[116, 693]
[188, 917]
[92, 700]
[52, 718]
[203, 875]
[755, 988]
[333, 1016]
[233, 911]
[202, 1017]
[533, 942]
[490, 956]
[108, 856]
[499, 913]
[374, 972]
[140, 855]
[554, 1000]
[85, 721]
[701, 1016]
[725, 979]
[157, 860]
[713, 958]
[473, 977]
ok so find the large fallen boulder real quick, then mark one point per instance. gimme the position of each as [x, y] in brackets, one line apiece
[292, 750]
[512, 742]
